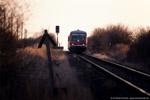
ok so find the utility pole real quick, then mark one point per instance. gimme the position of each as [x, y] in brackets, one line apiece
[4, 18]
[17, 28]
[25, 33]
[12, 22]
[22, 30]
[1, 17]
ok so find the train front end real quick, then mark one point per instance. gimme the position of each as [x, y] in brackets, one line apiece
[77, 41]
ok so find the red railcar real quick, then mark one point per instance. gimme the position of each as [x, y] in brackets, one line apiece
[77, 41]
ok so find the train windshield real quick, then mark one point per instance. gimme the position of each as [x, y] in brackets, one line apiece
[78, 37]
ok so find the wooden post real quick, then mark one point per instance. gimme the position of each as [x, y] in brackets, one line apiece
[47, 42]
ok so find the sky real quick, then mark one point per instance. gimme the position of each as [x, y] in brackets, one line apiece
[85, 15]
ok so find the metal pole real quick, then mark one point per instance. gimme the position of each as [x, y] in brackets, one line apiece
[57, 39]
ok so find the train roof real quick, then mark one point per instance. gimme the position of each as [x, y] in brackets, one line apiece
[78, 31]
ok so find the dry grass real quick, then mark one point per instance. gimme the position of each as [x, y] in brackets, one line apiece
[138, 65]
[103, 56]
[29, 78]
[119, 51]
[33, 73]
[36, 51]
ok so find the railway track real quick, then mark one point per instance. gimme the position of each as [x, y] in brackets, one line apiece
[135, 79]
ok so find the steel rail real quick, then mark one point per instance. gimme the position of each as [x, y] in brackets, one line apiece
[116, 76]
[122, 66]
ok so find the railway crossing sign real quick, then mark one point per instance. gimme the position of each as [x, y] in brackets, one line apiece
[46, 36]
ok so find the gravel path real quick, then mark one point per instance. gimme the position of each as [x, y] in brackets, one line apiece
[67, 78]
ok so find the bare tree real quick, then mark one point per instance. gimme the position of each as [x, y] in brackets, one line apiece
[118, 34]
[14, 14]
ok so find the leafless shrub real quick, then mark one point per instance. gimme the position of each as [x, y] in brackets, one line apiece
[119, 51]
[139, 50]
[8, 46]
[105, 39]
[118, 34]
[97, 41]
